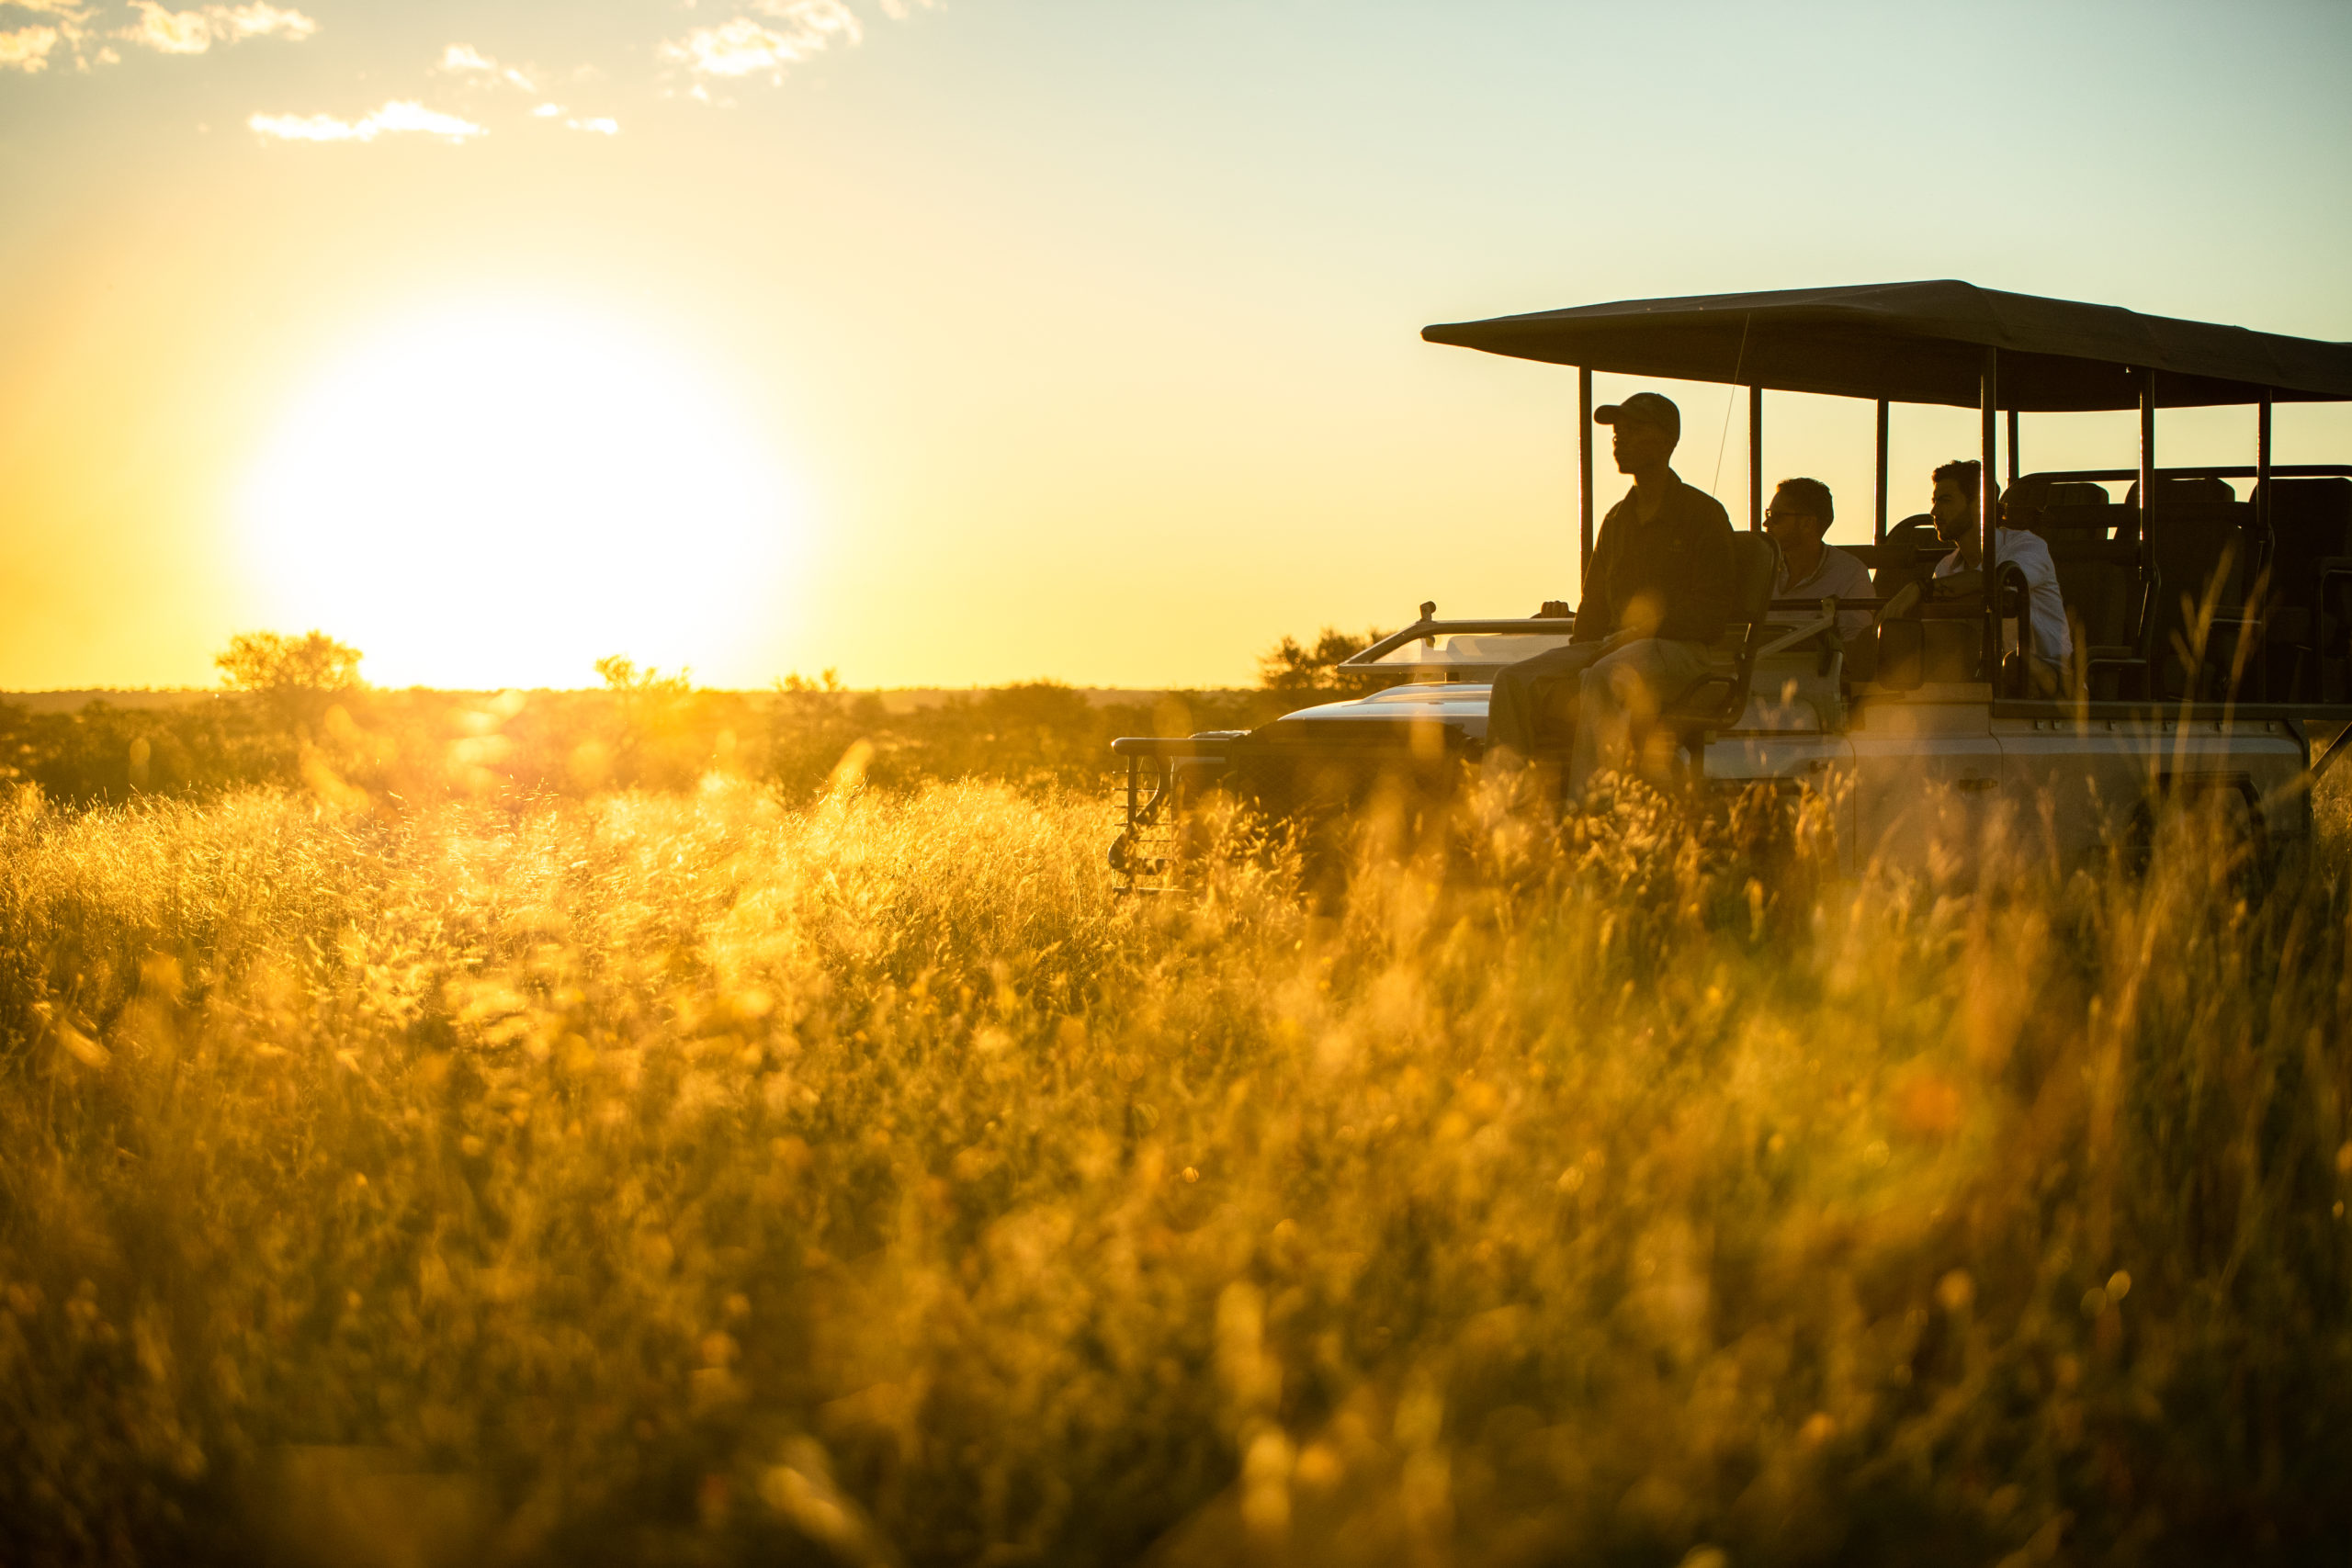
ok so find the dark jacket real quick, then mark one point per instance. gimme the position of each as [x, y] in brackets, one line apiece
[1679, 563]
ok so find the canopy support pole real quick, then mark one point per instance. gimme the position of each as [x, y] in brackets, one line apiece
[1755, 459]
[2013, 446]
[2262, 513]
[1584, 475]
[1987, 512]
[1882, 471]
[2266, 537]
[2147, 503]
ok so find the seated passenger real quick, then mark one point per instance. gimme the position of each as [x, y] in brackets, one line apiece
[1800, 514]
[1961, 572]
[1657, 594]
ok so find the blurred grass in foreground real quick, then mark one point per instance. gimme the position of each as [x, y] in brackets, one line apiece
[701, 1179]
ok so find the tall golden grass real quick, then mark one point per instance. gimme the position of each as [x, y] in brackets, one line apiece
[702, 1178]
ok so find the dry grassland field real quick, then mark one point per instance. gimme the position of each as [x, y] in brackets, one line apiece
[723, 1176]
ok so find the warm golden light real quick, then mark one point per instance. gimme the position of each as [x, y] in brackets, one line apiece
[499, 495]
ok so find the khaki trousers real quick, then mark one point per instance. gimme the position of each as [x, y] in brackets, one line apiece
[1610, 696]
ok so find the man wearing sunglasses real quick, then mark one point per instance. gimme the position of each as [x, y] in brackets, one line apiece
[1657, 595]
[1800, 514]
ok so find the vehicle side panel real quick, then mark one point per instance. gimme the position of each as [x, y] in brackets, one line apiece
[2079, 783]
[1813, 764]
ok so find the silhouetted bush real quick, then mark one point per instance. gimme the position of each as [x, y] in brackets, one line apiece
[421, 743]
[109, 753]
[298, 715]
[1290, 667]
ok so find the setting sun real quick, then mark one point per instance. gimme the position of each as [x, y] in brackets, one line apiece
[501, 494]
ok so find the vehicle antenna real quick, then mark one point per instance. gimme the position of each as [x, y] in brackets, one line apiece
[1738, 363]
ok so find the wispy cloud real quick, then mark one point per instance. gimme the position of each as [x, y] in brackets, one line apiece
[772, 36]
[763, 39]
[601, 125]
[194, 31]
[70, 29]
[27, 49]
[400, 116]
[465, 61]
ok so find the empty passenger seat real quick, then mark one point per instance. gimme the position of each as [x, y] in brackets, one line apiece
[2058, 508]
[2200, 539]
[2100, 581]
[2098, 575]
[2081, 512]
[2309, 614]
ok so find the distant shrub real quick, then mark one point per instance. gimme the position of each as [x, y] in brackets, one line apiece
[296, 713]
[297, 677]
[1293, 667]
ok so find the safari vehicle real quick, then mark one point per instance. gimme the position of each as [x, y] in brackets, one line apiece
[2212, 629]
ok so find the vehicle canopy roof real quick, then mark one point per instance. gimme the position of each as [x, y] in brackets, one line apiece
[1923, 343]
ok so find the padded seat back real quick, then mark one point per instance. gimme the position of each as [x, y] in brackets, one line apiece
[2310, 520]
[2203, 548]
[2100, 581]
[1909, 555]
[2183, 491]
[2041, 503]
[2088, 522]
[2310, 606]
[2199, 547]
[2106, 596]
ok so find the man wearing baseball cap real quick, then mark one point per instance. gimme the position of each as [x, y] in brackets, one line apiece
[1657, 594]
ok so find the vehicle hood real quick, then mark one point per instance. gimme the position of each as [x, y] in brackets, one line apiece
[1461, 708]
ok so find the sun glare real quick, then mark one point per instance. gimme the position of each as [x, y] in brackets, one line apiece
[500, 496]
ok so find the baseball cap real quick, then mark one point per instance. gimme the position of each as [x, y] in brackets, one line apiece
[1643, 408]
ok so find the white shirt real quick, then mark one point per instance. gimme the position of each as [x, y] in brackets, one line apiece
[2016, 546]
[1836, 575]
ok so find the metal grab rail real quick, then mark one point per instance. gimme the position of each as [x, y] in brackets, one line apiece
[2011, 589]
[1539, 625]
[1825, 613]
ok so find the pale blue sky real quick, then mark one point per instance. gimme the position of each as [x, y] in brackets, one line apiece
[1103, 314]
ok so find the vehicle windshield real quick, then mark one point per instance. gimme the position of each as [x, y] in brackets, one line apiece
[1440, 653]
